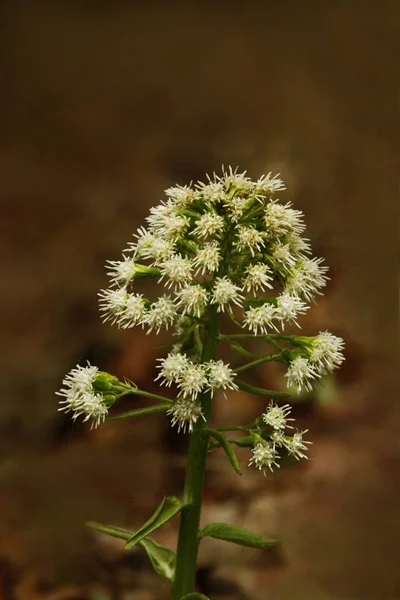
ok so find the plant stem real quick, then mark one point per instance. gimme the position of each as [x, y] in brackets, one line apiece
[186, 557]
[259, 361]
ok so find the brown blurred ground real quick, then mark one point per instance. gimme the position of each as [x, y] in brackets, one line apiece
[103, 106]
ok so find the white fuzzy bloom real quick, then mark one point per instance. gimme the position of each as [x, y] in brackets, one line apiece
[174, 227]
[277, 416]
[181, 194]
[261, 318]
[159, 215]
[158, 251]
[122, 271]
[220, 375]
[113, 304]
[257, 277]
[298, 245]
[307, 278]
[296, 446]
[235, 207]
[80, 397]
[326, 352]
[207, 258]
[172, 368]
[301, 374]
[226, 292]
[267, 185]
[176, 269]
[264, 457]
[288, 307]
[161, 313]
[193, 379]
[280, 219]
[282, 256]
[144, 239]
[185, 413]
[208, 224]
[213, 191]
[232, 179]
[193, 299]
[133, 312]
[248, 238]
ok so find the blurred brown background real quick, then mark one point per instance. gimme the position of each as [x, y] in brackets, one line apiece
[103, 106]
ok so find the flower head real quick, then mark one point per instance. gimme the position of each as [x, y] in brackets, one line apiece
[133, 312]
[212, 191]
[280, 219]
[225, 292]
[193, 379]
[248, 238]
[267, 185]
[258, 277]
[260, 318]
[296, 446]
[172, 367]
[207, 258]
[326, 351]
[301, 374]
[113, 304]
[209, 223]
[288, 307]
[220, 375]
[162, 313]
[185, 412]
[264, 457]
[181, 194]
[193, 299]
[277, 416]
[177, 270]
[306, 278]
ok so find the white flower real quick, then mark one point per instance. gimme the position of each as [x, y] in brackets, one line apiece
[176, 269]
[181, 194]
[174, 227]
[207, 258]
[257, 277]
[159, 215]
[249, 238]
[225, 292]
[213, 191]
[208, 224]
[298, 245]
[144, 240]
[282, 256]
[80, 397]
[300, 374]
[158, 250]
[162, 313]
[260, 318]
[237, 181]
[326, 352]
[280, 219]
[277, 416]
[307, 278]
[133, 311]
[296, 445]
[172, 368]
[193, 379]
[113, 304]
[266, 185]
[220, 375]
[185, 413]
[193, 299]
[264, 457]
[122, 271]
[235, 207]
[288, 307]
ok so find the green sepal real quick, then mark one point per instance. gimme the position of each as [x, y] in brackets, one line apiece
[236, 535]
[195, 596]
[226, 445]
[139, 412]
[169, 507]
[163, 559]
[260, 391]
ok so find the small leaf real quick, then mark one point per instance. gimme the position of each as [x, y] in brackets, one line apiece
[236, 535]
[168, 508]
[240, 349]
[163, 559]
[195, 596]
[260, 391]
[149, 410]
[229, 451]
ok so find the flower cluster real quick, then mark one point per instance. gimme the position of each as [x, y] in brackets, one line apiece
[265, 453]
[90, 392]
[215, 243]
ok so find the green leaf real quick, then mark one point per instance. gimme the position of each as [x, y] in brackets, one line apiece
[195, 596]
[240, 349]
[169, 507]
[260, 391]
[138, 412]
[163, 559]
[236, 535]
[229, 451]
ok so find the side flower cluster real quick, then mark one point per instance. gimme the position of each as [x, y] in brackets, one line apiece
[265, 452]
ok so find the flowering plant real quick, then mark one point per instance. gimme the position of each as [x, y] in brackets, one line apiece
[216, 248]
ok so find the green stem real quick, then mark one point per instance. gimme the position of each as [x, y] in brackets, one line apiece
[150, 395]
[186, 557]
[259, 361]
